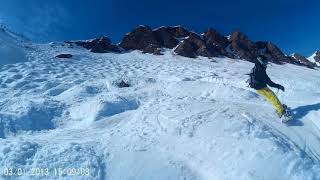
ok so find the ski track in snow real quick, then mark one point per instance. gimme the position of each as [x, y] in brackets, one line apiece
[188, 119]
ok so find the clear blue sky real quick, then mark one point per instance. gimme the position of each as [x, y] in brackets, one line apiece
[294, 25]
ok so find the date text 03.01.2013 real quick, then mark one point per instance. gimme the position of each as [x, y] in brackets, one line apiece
[46, 172]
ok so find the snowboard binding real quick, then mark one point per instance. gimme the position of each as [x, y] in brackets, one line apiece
[287, 114]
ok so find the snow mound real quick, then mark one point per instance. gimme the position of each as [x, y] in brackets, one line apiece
[99, 108]
[35, 116]
[159, 167]
[116, 107]
[18, 154]
[75, 156]
[79, 161]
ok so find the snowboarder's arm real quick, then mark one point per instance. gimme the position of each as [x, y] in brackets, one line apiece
[275, 85]
[271, 83]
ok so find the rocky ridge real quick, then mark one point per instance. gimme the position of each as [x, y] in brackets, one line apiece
[190, 44]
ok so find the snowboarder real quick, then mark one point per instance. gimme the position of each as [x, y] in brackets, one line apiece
[259, 80]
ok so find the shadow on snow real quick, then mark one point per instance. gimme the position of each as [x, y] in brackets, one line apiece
[302, 111]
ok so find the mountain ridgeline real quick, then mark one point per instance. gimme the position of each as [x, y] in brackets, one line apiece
[189, 44]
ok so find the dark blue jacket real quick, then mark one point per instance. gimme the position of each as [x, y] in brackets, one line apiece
[259, 78]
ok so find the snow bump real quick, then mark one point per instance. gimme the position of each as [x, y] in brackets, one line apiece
[121, 105]
[35, 117]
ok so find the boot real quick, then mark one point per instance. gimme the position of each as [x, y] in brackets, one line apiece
[286, 115]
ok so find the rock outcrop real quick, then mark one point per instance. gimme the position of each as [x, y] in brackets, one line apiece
[142, 38]
[272, 52]
[186, 49]
[178, 31]
[165, 38]
[243, 47]
[99, 45]
[194, 46]
[123, 84]
[64, 56]
[216, 41]
[189, 44]
[145, 39]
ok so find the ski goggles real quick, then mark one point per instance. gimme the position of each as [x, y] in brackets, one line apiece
[262, 61]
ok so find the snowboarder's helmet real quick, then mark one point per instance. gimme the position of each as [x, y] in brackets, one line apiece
[262, 60]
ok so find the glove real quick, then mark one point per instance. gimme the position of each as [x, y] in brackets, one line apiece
[280, 87]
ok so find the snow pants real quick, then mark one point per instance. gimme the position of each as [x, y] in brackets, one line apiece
[270, 96]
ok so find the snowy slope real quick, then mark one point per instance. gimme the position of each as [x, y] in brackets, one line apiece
[188, 119]
[12, 47]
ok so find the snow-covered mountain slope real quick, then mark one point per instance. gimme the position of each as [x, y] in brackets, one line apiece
[188, 119]
[12, 47]
[313, 58]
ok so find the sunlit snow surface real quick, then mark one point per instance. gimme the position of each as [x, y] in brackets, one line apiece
[181, 119]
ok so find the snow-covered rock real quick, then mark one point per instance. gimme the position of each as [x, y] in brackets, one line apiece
[315, 58]
[98, 45]
[303, 60]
